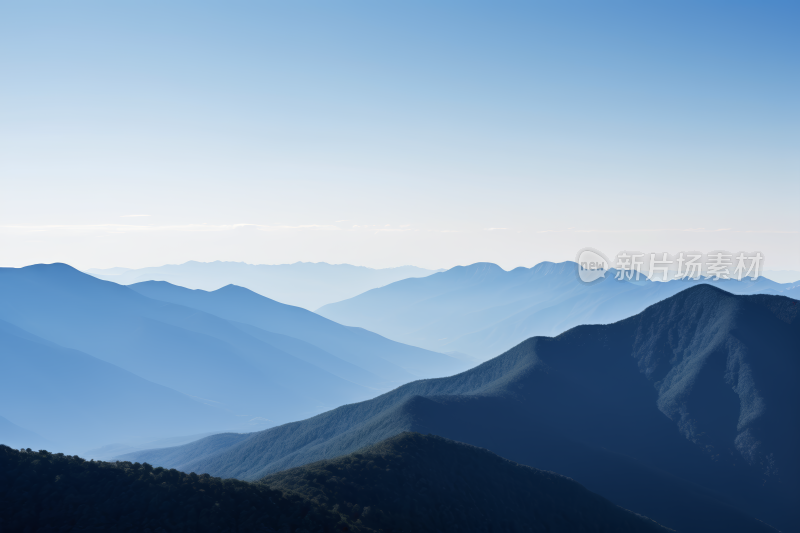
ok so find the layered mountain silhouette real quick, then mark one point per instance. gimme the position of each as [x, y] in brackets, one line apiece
[408, 483]
[685, 413]
[378, 355]
[108, 339]
[110, 451]
[308, 285]
[482, 310]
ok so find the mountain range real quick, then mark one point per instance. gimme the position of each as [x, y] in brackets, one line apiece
[90, 361]
[280, 325]
[307, 285]
[783, 276]
[481, 310]
[686, 413]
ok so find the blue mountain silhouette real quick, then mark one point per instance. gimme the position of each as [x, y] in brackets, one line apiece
[482, 310]
[123, 359]
[390, 360]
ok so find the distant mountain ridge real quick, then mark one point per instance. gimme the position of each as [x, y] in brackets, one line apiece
[684, 413]
[307, 285]
[482, 310]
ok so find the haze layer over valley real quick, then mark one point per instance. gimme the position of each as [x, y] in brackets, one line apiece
[307, 285]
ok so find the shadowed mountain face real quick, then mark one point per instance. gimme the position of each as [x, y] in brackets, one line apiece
[408, 483]
[685, 413]
[307, 285]
[482, 310]
[413, 482]
[43, 492]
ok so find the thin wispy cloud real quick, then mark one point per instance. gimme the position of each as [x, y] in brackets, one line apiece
[133, 228]
[663, 230]
[130, 229]
[152, 228]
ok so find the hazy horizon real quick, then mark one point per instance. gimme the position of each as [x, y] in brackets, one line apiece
[90, 269]
[146, 133]
[777, 275]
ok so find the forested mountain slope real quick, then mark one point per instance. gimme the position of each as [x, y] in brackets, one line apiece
[414, 482]
[46, 492]
[408, 484]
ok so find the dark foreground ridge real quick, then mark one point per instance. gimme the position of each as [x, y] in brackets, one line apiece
[44, 492]
[419, 483]
[410, 483]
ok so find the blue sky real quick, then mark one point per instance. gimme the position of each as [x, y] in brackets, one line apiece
[389, 133]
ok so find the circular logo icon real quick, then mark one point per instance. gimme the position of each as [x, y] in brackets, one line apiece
[592, 265]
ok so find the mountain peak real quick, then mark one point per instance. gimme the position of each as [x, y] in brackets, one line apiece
[56, 273]
[476, 270]
[231, 289]
[548, 267]
[51, 267]
[703, 293]
[482, 266]
[154, 283]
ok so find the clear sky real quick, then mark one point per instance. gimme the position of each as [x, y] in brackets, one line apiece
[383, 133]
